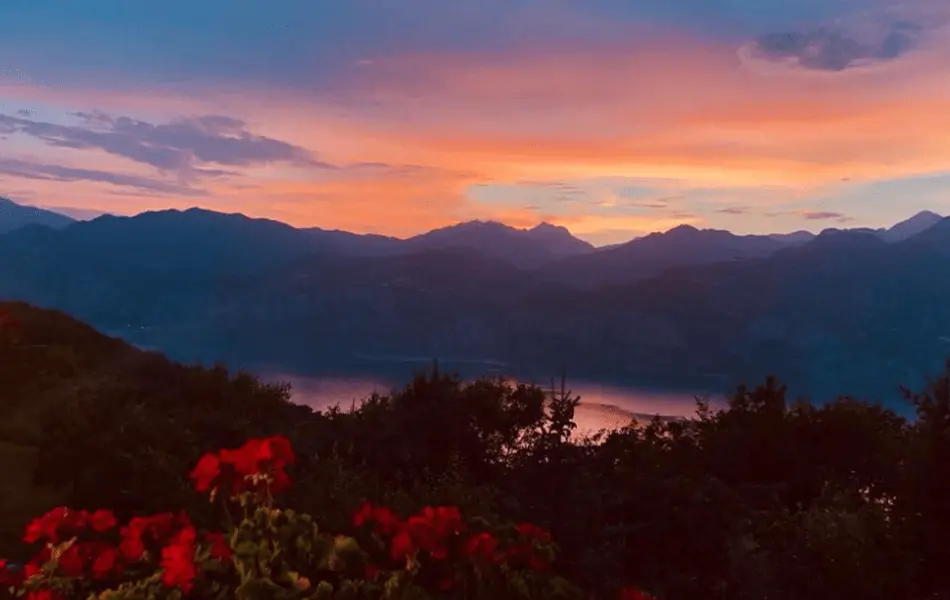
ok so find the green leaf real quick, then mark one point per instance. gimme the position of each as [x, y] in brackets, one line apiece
[518, 585]
[257, 589]
[346, 545]
[246, 550]
[322, 551]
[392, 586]
[348, 590]
[323, 591]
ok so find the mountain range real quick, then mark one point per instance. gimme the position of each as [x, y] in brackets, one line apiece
[14, 216]
[845, 310]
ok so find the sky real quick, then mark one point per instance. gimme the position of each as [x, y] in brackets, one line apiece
[613, 118]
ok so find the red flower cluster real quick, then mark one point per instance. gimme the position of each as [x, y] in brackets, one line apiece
[257, 462]
[220, 549]
[433, 530]
[43, 594]
[170, 536]
[154, 529]
[525, 552]
[482, 547]
[97, 558]
[94, 545]
[632, 593]
[62, 523]
[429, 531]
[384, 520]
[178, 560]
[178, 540]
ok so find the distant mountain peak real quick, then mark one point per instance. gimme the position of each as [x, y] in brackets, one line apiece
[483, 223]
[927, 215]
[522, 247]
[685, 228]
[545, 226]
[794, 238]
[908, 228]
[15, 216]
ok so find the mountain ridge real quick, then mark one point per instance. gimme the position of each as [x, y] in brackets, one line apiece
[544, 230]
[13, 216]
[204, 286]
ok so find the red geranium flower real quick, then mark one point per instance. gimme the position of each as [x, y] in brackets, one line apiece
[444, 520]
[429, 531]
[259, 455]
[233, 467]
[178, 560]
[158, 528]
[43, 594]
[632, 593]
[71, 562]
[205, 472]
[104, 561]
[534, 532]
[57, 524]
[131, 547]
[102, 520]
[220, 549]
[387, 523]
[402, 546]
[279, 482]
[481, 547]
[525, 554]
[448, 583]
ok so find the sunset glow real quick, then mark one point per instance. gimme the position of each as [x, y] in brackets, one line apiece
[396, 118]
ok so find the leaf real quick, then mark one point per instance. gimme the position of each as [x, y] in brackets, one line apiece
[415, 592]
[392, 586]
[348, 590]
[518, 585]
[246, 550]
[346, 545]
[262, 517]
[322, 551]
[257, 589]
[323, 591]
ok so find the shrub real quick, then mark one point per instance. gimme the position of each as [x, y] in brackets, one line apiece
[276, 554]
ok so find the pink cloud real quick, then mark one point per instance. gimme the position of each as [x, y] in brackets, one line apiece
[698, 112]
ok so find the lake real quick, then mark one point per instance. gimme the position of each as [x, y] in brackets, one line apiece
[602, 405]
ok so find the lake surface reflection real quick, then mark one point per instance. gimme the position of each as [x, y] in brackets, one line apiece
[602, 406]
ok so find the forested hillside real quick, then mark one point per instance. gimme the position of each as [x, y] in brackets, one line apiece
[767, 499]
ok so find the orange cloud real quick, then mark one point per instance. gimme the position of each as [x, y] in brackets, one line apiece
[700, 113]
[677, 108]
[388, 201]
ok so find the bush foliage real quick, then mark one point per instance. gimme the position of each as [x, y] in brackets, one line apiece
[768, 498]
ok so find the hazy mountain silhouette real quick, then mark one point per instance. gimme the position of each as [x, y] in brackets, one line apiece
[524, 248]
[559, 240]
[908, 228]
[14, 216]
[653, 254]
[841, 311]
[793, 238]
[936, 237]
[341, 242]
[178, 242]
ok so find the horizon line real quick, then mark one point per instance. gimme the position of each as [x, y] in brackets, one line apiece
[542, 222]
